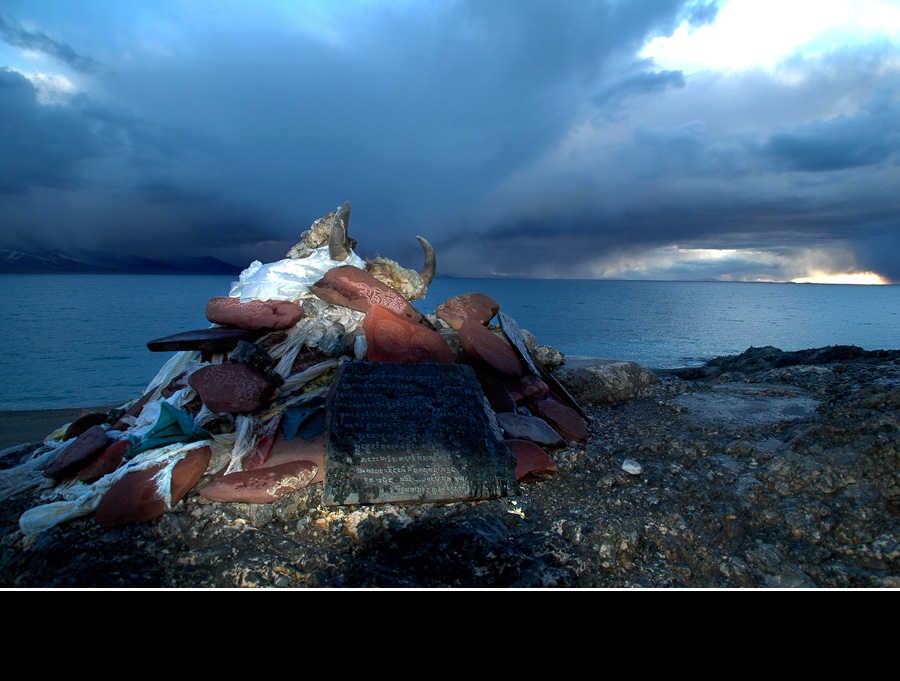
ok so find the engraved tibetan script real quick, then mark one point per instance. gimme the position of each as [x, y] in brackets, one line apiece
[412, 432]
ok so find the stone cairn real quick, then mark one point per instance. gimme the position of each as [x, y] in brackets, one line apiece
[243, 399]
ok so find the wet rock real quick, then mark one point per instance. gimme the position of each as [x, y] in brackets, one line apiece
[233, 388]
[357, 289]
[394, 339]
[606, 381]
[83, 450]
[253, 314]
[478, 307]
[532, 462]
[487, 347]
[562, 418]
[531, 428]
[136, 497]
[261, 485]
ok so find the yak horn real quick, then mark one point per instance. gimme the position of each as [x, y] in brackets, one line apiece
[338, 242]
[430, 262]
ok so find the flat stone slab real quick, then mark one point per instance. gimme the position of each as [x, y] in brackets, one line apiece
[214, 339]
[411, 433]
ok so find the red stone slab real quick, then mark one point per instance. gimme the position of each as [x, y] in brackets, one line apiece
[298, 449]
[261, 485]
[111, 458]
[478, 307]
[232, 387]
[489, 348]
[357, 289]
[135, 498]
[532, 462]
[215, 339]
[531, 428]
[81, 424]
[564, 419]
[527, 389]
[253, 314]
[83, 450]
[394, 339]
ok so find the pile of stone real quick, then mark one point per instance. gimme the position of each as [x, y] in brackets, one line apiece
[244, 402]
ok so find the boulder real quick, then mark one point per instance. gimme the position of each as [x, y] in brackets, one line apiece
[253, 314]
[478, 307]
[606, 381]
[395, 339]
[357, 289]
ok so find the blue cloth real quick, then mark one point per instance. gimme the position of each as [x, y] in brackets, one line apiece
[173, 426]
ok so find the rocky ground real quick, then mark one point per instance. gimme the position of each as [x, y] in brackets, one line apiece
[765, 470]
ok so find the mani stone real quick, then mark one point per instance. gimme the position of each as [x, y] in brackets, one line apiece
[215, 339]
[80, 425]
[532, 462]
[527, 389]
[489, 348]
[234, 388]
[531, 428]
[136, 497]
[357, 289]
[394, 339]
[111, 458]
[411, 433]
[564, 420]
[261, 485]
[253, 314]
[82, 451]
[478, 307]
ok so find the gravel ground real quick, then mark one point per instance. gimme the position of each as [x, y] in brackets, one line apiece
[751, 472]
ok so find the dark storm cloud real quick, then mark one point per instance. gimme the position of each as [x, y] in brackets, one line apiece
[868, 138]
[40, 42]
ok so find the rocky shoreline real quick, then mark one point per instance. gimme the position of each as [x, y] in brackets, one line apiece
[764, 470]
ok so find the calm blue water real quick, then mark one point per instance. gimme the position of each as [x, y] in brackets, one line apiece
[81, 340]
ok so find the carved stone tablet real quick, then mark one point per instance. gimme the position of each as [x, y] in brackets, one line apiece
[411, 433]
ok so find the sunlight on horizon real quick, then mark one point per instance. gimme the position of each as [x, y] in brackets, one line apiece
[863, 278]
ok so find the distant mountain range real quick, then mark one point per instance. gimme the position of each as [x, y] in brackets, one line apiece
[93, 262]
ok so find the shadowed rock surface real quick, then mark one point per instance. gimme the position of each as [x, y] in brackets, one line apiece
[763, 470]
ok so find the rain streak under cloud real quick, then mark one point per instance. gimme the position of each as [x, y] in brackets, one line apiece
[741, 140]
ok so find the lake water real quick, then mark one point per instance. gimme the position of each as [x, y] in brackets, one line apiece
[81, 340]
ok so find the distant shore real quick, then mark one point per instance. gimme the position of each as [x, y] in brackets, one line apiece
[21, 427]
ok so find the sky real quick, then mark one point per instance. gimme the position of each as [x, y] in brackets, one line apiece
[730, 140]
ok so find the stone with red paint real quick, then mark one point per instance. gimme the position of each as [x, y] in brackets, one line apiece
[261, 485]
[394, 339]
[253, 314]
[565, 420]
[357, 289]
[83, 450]
[111, 458]
[299, 449]
[532, 462]
[233, 388]
[81, 424]
[531, 428]
[487, 347]
[478, 307]
[136, 497]
[527, 389]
